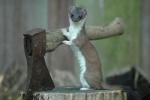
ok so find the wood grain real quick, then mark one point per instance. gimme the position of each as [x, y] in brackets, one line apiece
[81, 95]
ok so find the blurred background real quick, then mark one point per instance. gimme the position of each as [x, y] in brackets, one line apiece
[116, 53]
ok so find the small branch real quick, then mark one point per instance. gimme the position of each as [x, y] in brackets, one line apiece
[115, 28]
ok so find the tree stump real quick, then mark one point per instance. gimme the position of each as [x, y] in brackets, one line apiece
[72, 94]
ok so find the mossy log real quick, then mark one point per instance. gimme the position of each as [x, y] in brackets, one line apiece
[115, 28]
[81, 95]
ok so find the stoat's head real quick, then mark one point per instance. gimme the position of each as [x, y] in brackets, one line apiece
[77, 14]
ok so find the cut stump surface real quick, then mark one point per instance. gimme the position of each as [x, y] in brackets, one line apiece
[74, 94]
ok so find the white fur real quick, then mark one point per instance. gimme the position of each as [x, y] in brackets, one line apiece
[74, 30]
[82, 63]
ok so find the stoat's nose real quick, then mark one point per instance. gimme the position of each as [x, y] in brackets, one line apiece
[76, 17]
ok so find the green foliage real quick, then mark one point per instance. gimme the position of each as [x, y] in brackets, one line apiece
[122, 51]
[18, 98]
[12, 97]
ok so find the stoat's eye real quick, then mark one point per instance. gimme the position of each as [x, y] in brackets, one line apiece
[72, 15]
[80, 16]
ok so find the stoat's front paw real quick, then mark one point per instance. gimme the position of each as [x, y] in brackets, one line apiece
[67, 42]
[64, 31]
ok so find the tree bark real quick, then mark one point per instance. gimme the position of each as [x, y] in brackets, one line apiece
[81, 95]
[115, 28]
[145, 38]
[38, 77]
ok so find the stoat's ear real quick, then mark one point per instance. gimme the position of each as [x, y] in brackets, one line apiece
[71, 8]
[84, 12]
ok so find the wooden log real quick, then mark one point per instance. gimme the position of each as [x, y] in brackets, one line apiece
[80, 95]
[115, 28]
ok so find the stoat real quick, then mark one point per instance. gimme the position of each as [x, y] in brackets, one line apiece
[85, 53]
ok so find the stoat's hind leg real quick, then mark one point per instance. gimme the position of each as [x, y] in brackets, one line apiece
[85, 87]
[83, 82]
